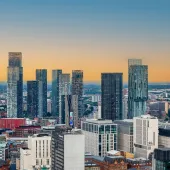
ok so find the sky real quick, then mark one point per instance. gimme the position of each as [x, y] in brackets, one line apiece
[92, 35]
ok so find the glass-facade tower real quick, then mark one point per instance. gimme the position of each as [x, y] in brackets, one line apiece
[112, 100]
[41, 78]
[15, 86]
[137, 89]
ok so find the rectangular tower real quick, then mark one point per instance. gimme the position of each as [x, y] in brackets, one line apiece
[15, 85]
[137, 90]
[67, 149]
[41, 77]
[77, 89]
[145, 135]
[55, 92]
[64, 89]
[32, 99]
[112, 96]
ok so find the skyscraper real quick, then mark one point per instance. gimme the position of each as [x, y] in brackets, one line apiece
[137, 90]
[69, 105]
[64, 89]
[15, 85]
[112, 96]
[32, 99]
[77, 89]
[41, 77]
[55, 92]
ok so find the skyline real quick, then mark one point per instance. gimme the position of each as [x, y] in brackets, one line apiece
[95, 37]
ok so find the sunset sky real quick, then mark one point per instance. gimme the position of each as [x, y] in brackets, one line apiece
[92, 35]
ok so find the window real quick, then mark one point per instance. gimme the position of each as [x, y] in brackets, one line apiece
[37, 162]
[48, 162]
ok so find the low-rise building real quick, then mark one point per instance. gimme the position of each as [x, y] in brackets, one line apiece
[125, 135]
[161, 159]
[38, 153]
[145, 135]
[100, 136]
[68, 149]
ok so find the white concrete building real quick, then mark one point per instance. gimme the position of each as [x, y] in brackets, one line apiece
[68, 149]
[100, 136]
[38, 153]
[125, 135]
[145, 135]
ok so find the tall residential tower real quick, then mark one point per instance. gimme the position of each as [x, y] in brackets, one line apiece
[77, 89]
[32, 99]
[137, 88]
[41, 77]
[55, 92]
[15, 85]
[112, 86]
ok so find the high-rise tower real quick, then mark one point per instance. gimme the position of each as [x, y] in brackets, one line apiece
[15, 85]
[137, 88]
[32, 99]
[112, 96]
[41, 77]
[55, 92]
[77, 89]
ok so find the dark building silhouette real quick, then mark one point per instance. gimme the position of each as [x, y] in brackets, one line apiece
[112, 86]
[32, 99]
[41, 77]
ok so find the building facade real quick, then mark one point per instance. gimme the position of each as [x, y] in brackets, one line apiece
[112, 96]
[161, 159]
[32, 99]
[15, 85]
[69, 107]
[55, 92]
[125, 135]
[77, 89]
[68, 149]
[64, 89]
[164, 137]
[41, 78]
[137, 89]
[145, 135]
[100, 136]
[38, 153]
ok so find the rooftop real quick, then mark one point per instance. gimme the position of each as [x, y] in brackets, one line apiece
[99, 121]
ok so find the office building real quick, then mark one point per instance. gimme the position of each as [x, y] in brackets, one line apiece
[64, 89]
[69, 107]
[145, 135]
[41, 77]
[100, 136]
[32, 99]
[96, 98]
[15, 85]
[38, 153]
[77, 89]
[125, 135]
[55, 92]
[161, 159]
[112, 86]
[137, 90]
[164, 136]
[67, 149]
